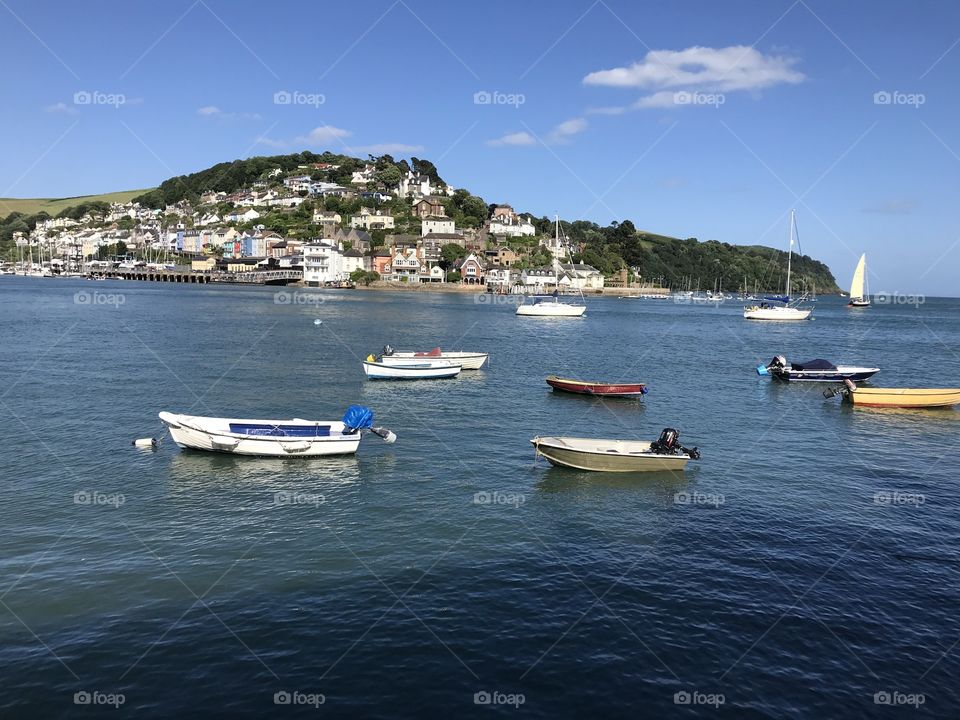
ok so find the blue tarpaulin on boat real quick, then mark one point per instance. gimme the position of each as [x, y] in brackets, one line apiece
[814, 365]
[358, 417]
[779, 298]
[268, 430]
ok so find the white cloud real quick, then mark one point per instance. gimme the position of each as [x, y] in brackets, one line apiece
[323, 135]
[61, 107]
[270, 142]
[609, 110]
[718, 70]
[904, 206]
[386, 149]
[516, 138]
[212, 111]
[567, 129]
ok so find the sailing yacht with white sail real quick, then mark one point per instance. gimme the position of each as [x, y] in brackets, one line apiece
[859, 290]
[790, 309]
[552, 305]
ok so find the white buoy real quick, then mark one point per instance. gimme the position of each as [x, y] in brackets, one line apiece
[145, 443]
[318, 321]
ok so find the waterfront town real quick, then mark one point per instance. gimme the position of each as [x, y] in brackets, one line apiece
[359, 230]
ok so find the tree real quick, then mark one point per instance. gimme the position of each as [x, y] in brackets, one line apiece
[450, 253]
[364, 277]
[453, 276]
[389, 176]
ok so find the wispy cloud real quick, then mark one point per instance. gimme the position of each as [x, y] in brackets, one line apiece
[322, 136]
[212, 111]
[386, 149]
[61, 107]
[737, 68]
[903, 206]
[515, 138]
[567, 129]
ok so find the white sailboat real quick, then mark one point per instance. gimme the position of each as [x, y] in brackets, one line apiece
[553, 306]
[789, 310]
[859, 294]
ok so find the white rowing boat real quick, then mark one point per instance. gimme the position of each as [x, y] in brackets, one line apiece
[412, 369]
[466, 360]
[273, 438]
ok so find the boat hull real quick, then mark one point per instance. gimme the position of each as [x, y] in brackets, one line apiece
[916, 398]
[624, 456]
[857, 374]
[580, 387]
[776, 313]
[858, 304]
[551, 309]
[304, 438]
[432, 370]
[466, 360]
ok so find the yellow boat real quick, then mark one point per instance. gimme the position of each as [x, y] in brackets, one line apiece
[903, 397]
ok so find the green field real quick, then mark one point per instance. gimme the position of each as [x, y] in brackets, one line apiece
[31, 206]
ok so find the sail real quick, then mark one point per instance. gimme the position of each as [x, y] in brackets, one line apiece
[856, 285]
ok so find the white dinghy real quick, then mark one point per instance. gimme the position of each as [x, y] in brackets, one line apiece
[274, 438]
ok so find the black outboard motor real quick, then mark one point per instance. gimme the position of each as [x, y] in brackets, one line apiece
[387, 350]
[669, 444]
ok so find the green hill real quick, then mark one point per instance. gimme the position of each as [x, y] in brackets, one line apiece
[52, 206]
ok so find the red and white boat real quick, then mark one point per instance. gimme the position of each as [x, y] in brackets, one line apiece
[584, 387]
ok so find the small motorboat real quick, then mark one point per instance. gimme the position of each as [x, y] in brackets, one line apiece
[274, 438]
[912, 398]
[814, 371]
[411, 369]
[665, 453]
[550, 307]
[584, 387]
[466, 360]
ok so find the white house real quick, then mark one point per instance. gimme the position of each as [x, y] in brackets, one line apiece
[584, 277]
[501, 278]
[322, 263]
[414, 185]
[370, 220]
[298, 183]
[354, 260]
[405, 266]
[539, 279]
[362, 177]
[437, 224]
[512, 227]
[211, 219]
[326, 217]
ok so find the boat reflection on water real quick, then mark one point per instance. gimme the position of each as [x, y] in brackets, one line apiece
[664, 487]
[195, 471]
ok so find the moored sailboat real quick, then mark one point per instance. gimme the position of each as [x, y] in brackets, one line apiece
[553, 306]
[789, 309]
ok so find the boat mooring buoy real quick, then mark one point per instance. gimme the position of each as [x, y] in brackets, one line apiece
[145, 443]
[318, 321]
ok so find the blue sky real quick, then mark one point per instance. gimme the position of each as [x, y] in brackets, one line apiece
[694, 119]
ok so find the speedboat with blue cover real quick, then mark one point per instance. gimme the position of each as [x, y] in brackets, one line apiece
[274, 438]
[814, 371]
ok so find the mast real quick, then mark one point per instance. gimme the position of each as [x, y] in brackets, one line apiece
[793, 222]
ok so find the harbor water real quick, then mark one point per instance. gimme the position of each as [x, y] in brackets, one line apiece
[806, 567]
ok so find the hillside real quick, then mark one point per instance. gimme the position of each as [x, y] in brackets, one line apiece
[652, 258]
[52, 206]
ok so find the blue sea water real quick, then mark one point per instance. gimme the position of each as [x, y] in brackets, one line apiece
[806, 567]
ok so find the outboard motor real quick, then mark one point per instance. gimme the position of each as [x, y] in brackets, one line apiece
[669, 444]
[387, 350]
